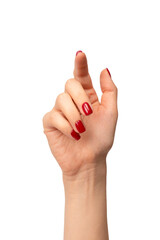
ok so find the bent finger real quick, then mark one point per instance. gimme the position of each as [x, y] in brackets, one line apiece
[55, 120]
[65, 104]
[79, 96]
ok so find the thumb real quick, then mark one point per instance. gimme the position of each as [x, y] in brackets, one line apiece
[109, 91]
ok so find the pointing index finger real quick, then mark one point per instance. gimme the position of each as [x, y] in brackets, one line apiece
[81, 70]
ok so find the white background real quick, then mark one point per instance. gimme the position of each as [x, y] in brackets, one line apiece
[38, 42]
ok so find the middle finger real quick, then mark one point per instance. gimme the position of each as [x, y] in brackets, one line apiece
[79, 96]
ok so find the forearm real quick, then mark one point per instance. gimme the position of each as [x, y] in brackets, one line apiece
[85, 204]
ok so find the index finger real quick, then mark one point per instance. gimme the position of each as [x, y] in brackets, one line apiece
[81, 70]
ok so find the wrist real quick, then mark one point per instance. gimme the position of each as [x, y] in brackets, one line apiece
[91, 177]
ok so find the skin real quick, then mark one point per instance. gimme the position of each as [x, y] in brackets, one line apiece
[83, 161]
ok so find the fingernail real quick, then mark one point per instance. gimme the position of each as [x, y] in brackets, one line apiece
[86, 108]
[78, 52]
[80, 127]
[75, 135]
[108, 72]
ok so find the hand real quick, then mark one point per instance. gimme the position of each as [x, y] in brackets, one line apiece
[80, 129]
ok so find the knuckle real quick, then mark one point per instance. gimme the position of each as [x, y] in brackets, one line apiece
[116, 89]
[52, 116]
[60, 97]
[45, 119]
[69, 82]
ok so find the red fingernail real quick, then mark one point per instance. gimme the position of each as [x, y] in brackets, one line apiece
[108, 72]
[75, 135]
[80, 127]
[86, 108]
[78, 52]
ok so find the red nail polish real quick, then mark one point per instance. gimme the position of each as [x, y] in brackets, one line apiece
[78, 52]
[86, 108]
[75, 135]
[108, 72]
[80, 127]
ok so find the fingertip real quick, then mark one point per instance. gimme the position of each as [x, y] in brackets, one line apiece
[87, 109]
[105, 72]
[108, 72]
[79, 51]
[106, 81]
[81, 65]
[75, 135]
[80, 59]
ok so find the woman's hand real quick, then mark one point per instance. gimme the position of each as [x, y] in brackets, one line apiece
[80, 129]
[80, 132]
